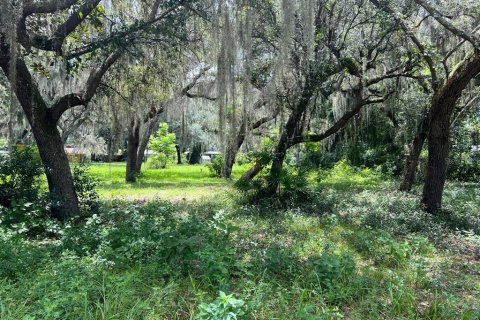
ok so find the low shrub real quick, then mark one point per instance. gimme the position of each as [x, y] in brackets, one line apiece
[215, 166]
[85, 187]
[344, 177]
[225, 307]
[158, 161]
[20, 175]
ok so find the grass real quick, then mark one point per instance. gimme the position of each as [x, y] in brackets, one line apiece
[365, 252]
[176, 182]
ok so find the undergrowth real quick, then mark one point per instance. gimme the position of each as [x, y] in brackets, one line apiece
[368, 254]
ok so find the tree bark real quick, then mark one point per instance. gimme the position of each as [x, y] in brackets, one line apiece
[441, 110]
[179, 154]
[46, 134]
[438, 151]
[252, 173]
[143, 143]
[231, 154]
[132, 150]
[57, 169]
[413, 158]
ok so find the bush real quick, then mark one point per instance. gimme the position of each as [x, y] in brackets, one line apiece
[158, 161]
[343, 176]
[19, 258]
[20, 173]
[216, 166]
[464, 166]
[242, 159]
[164, 144]
[85, 188]
[128, 235]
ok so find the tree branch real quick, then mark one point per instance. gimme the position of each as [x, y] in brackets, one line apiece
[83, 98]
[437, 15]
[337, 126]
[409, 32]
[50, 6]
[55, 43]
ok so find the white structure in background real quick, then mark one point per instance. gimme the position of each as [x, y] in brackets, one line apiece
[208, 156]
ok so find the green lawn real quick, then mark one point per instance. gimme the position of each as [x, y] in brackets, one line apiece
[175, 183]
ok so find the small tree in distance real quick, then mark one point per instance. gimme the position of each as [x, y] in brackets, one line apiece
[164, 144]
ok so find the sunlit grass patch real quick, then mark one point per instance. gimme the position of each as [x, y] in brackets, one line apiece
[176, 182]
[345, 177]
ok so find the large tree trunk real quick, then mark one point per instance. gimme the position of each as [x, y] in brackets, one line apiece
[57, 169]
[132, 150]
[292, 128]
[413, 158]
[438, 151]
[441, 111]
[46, 134]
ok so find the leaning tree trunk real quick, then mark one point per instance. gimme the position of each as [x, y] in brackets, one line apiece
[290, 130]
[231, 154]
[236, 144]
[143, 143]
[132, 150]
[413, 158]
[253, 172]
[229, 160]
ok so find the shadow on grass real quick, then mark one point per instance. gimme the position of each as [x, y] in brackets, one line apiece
[156, 185]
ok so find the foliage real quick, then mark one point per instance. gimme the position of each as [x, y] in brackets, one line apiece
[164, 144]
[215, 166]
[30, 219]
[20, 173]
[129, 235]
[157, 161]
[344, 176]
[3, 143]
[85, 187]
[298, 263]
[464, 161]
[225, 307]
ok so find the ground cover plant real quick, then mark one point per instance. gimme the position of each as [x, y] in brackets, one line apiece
[239, 159]
[371, 253]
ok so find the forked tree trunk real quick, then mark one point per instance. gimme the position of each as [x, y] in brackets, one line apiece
[277, 165]
[413, 158]
[291, 129]
[231, 154]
